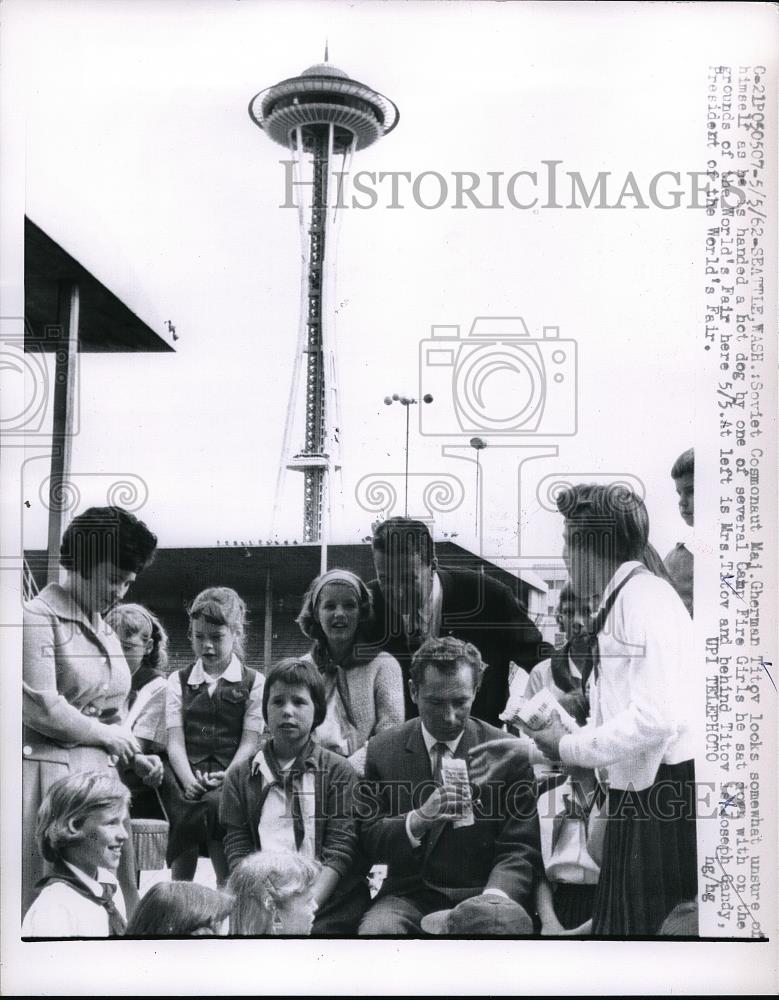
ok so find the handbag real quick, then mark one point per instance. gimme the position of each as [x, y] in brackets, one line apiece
[150, 840]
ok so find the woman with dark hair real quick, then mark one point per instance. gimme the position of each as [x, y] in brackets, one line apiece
[363, 692]
[75, 676]
[294, 795]
[639, 678]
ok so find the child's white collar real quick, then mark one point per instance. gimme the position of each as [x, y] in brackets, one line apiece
[199, 676]
[95, 886]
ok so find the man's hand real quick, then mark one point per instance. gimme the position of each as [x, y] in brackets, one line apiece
[548, 739]
[497, 761]
[446, 803]
[149, 769]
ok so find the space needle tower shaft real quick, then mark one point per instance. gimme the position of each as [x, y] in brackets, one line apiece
[322, 117]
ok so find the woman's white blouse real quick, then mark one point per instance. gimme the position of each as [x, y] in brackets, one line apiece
[645, 692]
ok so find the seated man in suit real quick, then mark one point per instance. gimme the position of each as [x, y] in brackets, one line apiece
[414, 600]
[411, 819]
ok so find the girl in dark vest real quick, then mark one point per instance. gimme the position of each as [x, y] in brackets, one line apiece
[213, 716]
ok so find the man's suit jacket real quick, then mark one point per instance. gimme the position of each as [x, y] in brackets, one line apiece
[501, 849]
[476, 609]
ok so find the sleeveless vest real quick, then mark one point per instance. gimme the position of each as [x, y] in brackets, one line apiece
[213, 725]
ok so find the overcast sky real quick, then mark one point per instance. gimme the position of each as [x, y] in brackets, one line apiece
[143, 163]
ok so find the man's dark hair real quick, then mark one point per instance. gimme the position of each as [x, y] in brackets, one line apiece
[446, 654]
[403, 536]
[106, 533]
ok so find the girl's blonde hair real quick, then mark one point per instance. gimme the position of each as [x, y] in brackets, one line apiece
[128, 620]
[265, 883]
[68, 804]
[221, 606]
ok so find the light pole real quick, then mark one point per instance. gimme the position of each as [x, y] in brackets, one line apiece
[477, 444]
[408, 402]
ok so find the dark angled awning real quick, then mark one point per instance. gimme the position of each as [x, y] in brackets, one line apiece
[105, 323]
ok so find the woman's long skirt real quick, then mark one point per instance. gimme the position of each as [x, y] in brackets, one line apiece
[649, 854]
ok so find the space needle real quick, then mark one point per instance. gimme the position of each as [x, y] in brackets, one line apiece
[322, 117]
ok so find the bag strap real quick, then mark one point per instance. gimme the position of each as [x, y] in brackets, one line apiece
[592, 654]
[600, 619]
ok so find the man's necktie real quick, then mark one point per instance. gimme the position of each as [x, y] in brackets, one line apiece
[116, 922]
[440, 751]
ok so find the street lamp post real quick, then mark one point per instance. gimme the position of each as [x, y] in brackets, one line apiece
[408, 402]
[477, 444]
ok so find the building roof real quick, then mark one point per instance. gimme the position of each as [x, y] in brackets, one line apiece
[177, 575]
[325, 69]
[105, 322]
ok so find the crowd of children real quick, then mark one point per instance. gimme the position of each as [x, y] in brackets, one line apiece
[260, 773]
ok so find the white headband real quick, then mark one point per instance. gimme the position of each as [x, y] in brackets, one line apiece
[338, 576]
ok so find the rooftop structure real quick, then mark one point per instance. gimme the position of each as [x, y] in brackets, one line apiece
[272, 580]
[68, 311]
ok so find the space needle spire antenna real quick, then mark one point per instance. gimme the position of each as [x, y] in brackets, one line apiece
[322, 117]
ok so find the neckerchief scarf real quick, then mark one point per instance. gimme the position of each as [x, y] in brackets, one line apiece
[576, 809]
[561, 671]
[116, 922]
[329, 668]
[266, 763]
[141, 677]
